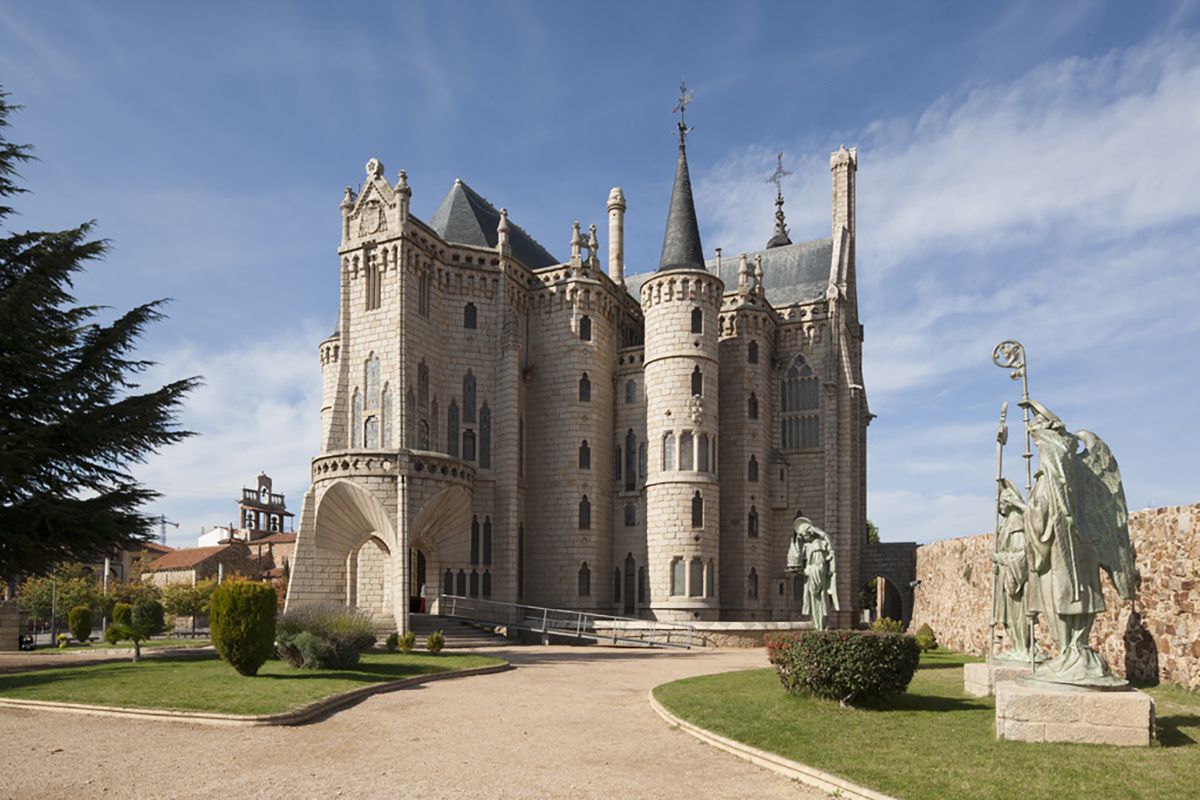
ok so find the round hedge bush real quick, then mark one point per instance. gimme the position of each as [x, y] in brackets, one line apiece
[79, 622]
[122, 614]
[147, 616]
[324, 636]
[845, 665]
[241, 617]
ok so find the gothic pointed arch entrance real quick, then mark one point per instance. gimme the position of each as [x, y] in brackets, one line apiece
[440, 529]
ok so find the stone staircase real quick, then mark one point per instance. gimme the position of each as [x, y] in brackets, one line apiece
[458, 635]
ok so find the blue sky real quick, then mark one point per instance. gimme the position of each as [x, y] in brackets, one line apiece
[1026, 170]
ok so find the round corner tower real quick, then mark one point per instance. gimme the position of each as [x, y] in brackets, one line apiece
[681, 303]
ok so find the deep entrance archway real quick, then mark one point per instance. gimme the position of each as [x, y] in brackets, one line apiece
[418, 589]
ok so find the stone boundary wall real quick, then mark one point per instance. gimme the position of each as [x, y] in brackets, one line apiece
[1158, 638]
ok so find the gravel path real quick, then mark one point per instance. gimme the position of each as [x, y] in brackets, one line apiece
[568, 722]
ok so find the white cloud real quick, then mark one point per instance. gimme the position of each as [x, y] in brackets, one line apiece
[1058, 208]
[258, 410]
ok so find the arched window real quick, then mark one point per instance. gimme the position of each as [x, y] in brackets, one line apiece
[385, 411]
[372, 289]
[710, 579]
[800, 401]
[696, 578]
[641, 589]
[617, 463]
[642, 461]
[585, 514]
[697, 320]
[697, 383]
[752, 523]
[470, 317]
[630, 461]
[371, 432]
[585, 455]
[422, 385]
[422, 435]
[474, 541]
[752, 470]
[460, 583]
[752, 406]
[752, 584]
[452, 429]
[485, 436]
[487, 583]
[697, 511]
[630, 515]
[752, 352]
[616, 584]
[448, 582]
[585, 329]
[433, 422]
[356, 410]
[585, 581]
[702, 453]
[423, 297]
[474, 583]
[668, 451]
[487, 540]
[630, 392]
[585, 389]
[678, 577]
[371, 381]
[469, 397]
[468, 446]
[687, 451]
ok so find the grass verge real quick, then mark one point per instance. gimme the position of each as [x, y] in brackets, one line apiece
[151, 644]
[937, 742]
[205, 683]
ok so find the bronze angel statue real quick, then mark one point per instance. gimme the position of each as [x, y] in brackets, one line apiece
[1076, 523]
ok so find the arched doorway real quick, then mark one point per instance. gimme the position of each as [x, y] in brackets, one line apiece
[372, 580]
[418, 589]
[879, 597]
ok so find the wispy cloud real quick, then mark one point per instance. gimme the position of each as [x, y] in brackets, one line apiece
[259, 410]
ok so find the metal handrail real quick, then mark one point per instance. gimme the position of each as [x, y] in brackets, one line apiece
[567, 622]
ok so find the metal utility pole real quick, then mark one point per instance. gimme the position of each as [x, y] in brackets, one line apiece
[163, 522]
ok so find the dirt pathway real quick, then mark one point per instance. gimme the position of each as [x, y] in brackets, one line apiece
[568, 722]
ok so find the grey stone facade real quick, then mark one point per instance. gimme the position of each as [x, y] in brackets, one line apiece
[501, 424]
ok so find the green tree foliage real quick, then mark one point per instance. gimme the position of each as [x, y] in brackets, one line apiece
[872, 533]
[241, 615]
[135, 623]
[926, 638]
[79, 622]
[71, 418]
[182, 600]
[75, 587]
[324, 636]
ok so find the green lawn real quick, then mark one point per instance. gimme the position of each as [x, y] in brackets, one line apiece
[205, 683]
[152, 644]
[937, 742]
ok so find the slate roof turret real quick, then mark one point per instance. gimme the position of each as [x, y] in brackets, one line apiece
[681, 242]
[465, 217]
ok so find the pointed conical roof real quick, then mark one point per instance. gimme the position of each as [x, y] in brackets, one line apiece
[681, 243]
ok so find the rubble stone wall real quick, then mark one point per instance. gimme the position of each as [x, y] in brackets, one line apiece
[1155, 638]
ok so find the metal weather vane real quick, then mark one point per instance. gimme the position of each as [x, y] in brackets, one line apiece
[685, 99]
[779, 174]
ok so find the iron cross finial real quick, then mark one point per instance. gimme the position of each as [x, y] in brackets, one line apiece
[779, 174]
[685, 98]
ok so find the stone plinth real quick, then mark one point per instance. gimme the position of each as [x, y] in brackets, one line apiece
[1026, 712]
[11, 625]
[979, 679]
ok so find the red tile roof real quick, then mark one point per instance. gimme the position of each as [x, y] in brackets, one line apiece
[276, 538]
[185, 558]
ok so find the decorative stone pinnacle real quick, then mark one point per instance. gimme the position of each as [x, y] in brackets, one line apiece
[758, 274]
[616, 199]
[402, 182]
[374, 168]
[576, 239]
[348, 198]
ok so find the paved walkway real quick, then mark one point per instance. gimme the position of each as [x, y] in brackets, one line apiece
[568, 722]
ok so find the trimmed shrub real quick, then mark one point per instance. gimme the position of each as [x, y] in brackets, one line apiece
[435, 641]
[926, 638]
[324, 636]
[845, 665]
[242, 620]
[122, 614]
[393, 641]
[147, 616]
[407, 642]
[79, 622]
[887, 625]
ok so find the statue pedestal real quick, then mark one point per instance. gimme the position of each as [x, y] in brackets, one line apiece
[979, 679]
[1031, 712]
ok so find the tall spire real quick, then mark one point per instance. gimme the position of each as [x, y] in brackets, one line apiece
[681, 242]
[780, 237]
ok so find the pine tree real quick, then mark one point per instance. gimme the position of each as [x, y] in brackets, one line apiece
[72, 420]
